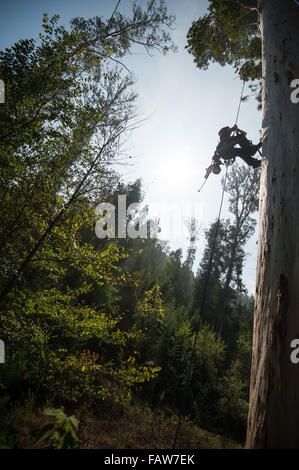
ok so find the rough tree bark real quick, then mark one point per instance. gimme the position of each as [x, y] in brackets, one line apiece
[273, 419]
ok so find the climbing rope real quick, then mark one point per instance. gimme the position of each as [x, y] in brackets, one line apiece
[202, 308]
[241, 99]
[211, 167]
[205, 290]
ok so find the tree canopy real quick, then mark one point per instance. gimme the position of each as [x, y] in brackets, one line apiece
[229, 35]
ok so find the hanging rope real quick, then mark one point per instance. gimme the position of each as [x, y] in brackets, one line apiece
[241, 98]
[237, 117]
[205, 290]
[202, 308]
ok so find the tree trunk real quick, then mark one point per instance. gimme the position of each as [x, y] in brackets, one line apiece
[231, 265]
[273, 420]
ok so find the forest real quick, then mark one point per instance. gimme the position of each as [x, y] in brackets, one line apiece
[95, 325]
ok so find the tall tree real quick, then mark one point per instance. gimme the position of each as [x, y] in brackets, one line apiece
[243, 188]
[66, 111]
[194, 231]
[214, 300]
[274, 396]
[232, 33]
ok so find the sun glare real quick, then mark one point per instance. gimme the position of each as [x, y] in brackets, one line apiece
[173, 171]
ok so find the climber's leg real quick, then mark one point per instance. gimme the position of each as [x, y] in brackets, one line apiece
[245, 155]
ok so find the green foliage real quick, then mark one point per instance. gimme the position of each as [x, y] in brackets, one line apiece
[58, 435]
[150, 312]
[234, 390]
[229, 34]
[67, 108]
[243, 188]
[207, 371]
[176, 280]
[226, 288]
[49, 337]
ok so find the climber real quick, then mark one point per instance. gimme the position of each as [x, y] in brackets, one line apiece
[226, 148]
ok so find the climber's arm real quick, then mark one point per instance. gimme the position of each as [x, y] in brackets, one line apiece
[235, 128]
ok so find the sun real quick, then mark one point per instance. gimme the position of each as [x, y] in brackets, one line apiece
[173, 171]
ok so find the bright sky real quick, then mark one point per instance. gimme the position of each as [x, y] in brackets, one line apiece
[185, 107]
